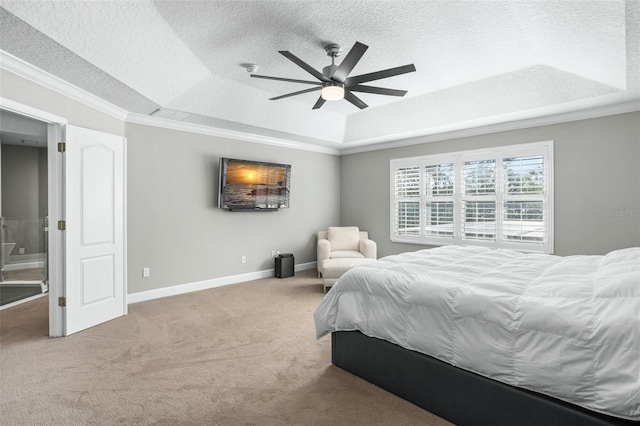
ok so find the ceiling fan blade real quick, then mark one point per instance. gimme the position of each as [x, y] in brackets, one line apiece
[319, 103]
[354, 100]
[379, 75]
[377, 90]
[302, 64]
[291, 80]
[349, 62]
[295, 93]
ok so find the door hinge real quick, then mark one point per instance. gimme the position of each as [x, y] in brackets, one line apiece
[62, 225]
[62, 301]
[62, 147]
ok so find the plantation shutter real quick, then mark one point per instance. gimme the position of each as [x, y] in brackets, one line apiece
[500, 197]
[478, 218]
[523, 199]
[439, 214]
[407, 201]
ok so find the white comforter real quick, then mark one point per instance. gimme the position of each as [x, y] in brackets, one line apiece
[568, 327]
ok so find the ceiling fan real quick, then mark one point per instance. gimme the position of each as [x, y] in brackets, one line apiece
[334, 81]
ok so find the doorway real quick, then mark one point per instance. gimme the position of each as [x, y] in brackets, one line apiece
[86, 219]
[23, 209]
[26, 116]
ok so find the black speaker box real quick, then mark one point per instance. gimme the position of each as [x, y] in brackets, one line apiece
[284, 265]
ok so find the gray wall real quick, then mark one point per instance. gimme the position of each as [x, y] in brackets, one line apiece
[596, 194]
[21, 170]
[29, 93]
[24, 195]
[176, 229]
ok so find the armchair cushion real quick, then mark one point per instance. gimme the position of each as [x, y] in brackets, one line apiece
[344, 238]
[346, 254]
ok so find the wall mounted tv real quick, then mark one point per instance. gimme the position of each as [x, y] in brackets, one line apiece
[247, 185]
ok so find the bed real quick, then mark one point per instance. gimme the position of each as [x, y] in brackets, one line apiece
[483, 336]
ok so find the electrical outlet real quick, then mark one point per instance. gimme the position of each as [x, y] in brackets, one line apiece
[21, 250]
[146, 272]
[244, 259]
[273, 253]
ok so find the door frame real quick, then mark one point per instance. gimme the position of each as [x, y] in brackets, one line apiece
[55, 134]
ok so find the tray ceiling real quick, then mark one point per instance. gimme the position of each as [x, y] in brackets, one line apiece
[478, 63]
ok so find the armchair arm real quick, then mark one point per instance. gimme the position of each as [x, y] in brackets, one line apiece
[369, 249]
[324, 252]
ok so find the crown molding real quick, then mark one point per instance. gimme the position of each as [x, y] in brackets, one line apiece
[50, 81]
[442, 133]
[166, 123]
[472, 128]
[30, 72]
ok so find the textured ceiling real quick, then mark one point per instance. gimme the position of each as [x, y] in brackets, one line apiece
[478, 62]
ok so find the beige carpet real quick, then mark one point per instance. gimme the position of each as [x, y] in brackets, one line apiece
[243, 354]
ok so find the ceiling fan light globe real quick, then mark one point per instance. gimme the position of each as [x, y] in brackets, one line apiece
[332, 92]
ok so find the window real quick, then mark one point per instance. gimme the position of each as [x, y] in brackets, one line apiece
[497, 198]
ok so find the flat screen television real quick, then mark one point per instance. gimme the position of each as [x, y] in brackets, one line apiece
[247, 185]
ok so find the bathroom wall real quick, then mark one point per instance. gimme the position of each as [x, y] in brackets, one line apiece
[24, 195]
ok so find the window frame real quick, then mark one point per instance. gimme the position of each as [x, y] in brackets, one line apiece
[498, 154]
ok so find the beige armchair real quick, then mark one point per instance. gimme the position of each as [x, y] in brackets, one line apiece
[345, 242]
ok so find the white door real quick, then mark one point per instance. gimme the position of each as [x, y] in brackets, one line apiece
[95, 264]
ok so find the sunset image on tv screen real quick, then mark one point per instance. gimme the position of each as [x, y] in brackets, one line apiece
[254, 185]
[257, 174]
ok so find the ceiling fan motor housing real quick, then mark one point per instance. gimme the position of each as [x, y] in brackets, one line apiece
[333, 50]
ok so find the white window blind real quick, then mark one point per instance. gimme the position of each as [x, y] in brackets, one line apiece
[439, 180]
[478, 188]
[407, 206]
[499, 198]
[524, 188]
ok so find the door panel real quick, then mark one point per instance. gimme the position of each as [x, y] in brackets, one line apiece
[98, 202]
[95, 233]
[97, 280]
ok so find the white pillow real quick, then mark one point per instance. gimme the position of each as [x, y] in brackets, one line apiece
[343, 237]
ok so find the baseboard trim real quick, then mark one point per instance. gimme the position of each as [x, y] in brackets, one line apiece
[175, 290]
[305, 266]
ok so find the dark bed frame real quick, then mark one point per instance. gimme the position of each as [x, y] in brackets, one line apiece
[454, 394]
